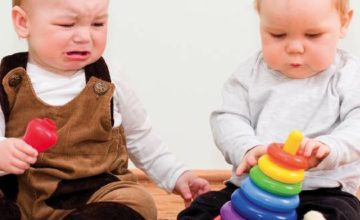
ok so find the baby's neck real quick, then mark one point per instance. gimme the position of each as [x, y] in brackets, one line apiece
[52, 70]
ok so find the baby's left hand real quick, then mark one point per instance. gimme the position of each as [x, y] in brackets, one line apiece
[189, 186]
[315, 150]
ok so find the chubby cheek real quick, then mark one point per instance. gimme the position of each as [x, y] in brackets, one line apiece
[99, 42]
[272, 54]
[321, 57]
[52, 42]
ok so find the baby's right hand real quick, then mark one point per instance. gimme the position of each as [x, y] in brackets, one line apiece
[16, 156]
[250, 159]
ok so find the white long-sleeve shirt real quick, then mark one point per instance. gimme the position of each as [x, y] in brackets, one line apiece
[262, 106]
[145, 149]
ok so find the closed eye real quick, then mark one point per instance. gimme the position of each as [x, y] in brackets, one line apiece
[316, 35]
[66, 25]
[278, 35]
[98, 24]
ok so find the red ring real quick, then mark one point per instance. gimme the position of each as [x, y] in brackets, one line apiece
[294, 161]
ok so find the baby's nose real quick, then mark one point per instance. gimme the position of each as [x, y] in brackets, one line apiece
[295, 47]
[82, 35]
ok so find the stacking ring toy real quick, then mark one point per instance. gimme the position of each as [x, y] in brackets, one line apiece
[228, 213]
[279, 173]
[292, 161]
[293, 142]
[273, 186]
[250, 211]
[267, 200]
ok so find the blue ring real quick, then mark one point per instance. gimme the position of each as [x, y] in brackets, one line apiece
[267, 200]
[249, 210]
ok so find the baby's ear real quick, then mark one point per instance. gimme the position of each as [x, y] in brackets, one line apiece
[20, 21]
[345, 21]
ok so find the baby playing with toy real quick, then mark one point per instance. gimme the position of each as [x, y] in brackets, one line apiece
[271, 189]
[299, 80]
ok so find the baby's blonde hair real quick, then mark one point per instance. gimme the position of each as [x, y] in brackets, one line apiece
[341, 5]
[16, 2]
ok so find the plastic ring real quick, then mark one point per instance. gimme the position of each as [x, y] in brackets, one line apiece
[217, 217]
[279, 155]
[267, 200]
[279, 173]
[272, 186]
[227, 212]
[248, 210]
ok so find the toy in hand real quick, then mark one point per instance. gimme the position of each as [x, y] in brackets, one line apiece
[41, 134]
[272, 190]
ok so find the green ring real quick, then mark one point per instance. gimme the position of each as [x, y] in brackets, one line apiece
[270, 185]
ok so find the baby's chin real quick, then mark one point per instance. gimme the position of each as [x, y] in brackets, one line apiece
[299, 73]
[74, 66]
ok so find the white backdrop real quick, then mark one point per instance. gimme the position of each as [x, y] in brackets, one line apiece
[177, 55]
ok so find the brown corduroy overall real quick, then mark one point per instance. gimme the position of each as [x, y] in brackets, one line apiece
[89, 162]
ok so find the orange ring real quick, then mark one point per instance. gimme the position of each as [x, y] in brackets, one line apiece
[279, 155]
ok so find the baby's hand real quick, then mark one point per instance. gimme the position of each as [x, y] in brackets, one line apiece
[16, 156]
[315, 150]
[189, 186]
[250, 159]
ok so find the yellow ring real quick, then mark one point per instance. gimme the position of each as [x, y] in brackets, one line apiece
[280, 173]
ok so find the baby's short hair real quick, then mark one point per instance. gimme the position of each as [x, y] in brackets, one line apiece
[16, 2]
[341, 5]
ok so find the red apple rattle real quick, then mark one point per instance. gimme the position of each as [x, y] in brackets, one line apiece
[41, 134]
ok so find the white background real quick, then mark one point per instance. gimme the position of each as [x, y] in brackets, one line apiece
[177, 55]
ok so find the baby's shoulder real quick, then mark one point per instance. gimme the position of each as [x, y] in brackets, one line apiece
[347, 74]
[116, 72]
[248, 66]
[348, 62]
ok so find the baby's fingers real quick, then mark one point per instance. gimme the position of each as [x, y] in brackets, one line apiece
[322, 152]
[22, 156]
[252, 161]
[21, 165]
[309, 148]
[16, 166]
[25, 148]
[16, 171]
[243, 166]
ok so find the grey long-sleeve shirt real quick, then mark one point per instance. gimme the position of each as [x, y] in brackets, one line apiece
[262, 106]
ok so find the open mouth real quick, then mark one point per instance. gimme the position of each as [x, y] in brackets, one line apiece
[78, 55]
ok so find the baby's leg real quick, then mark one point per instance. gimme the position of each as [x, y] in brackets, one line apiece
[332, 203]
[208, 205]
[104, 210]
[9, 210]
[119, 198]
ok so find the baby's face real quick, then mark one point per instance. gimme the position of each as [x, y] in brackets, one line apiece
[66, 35]
[299, 37]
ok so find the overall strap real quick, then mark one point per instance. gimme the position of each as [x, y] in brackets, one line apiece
[7, 64]
[98, 69]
